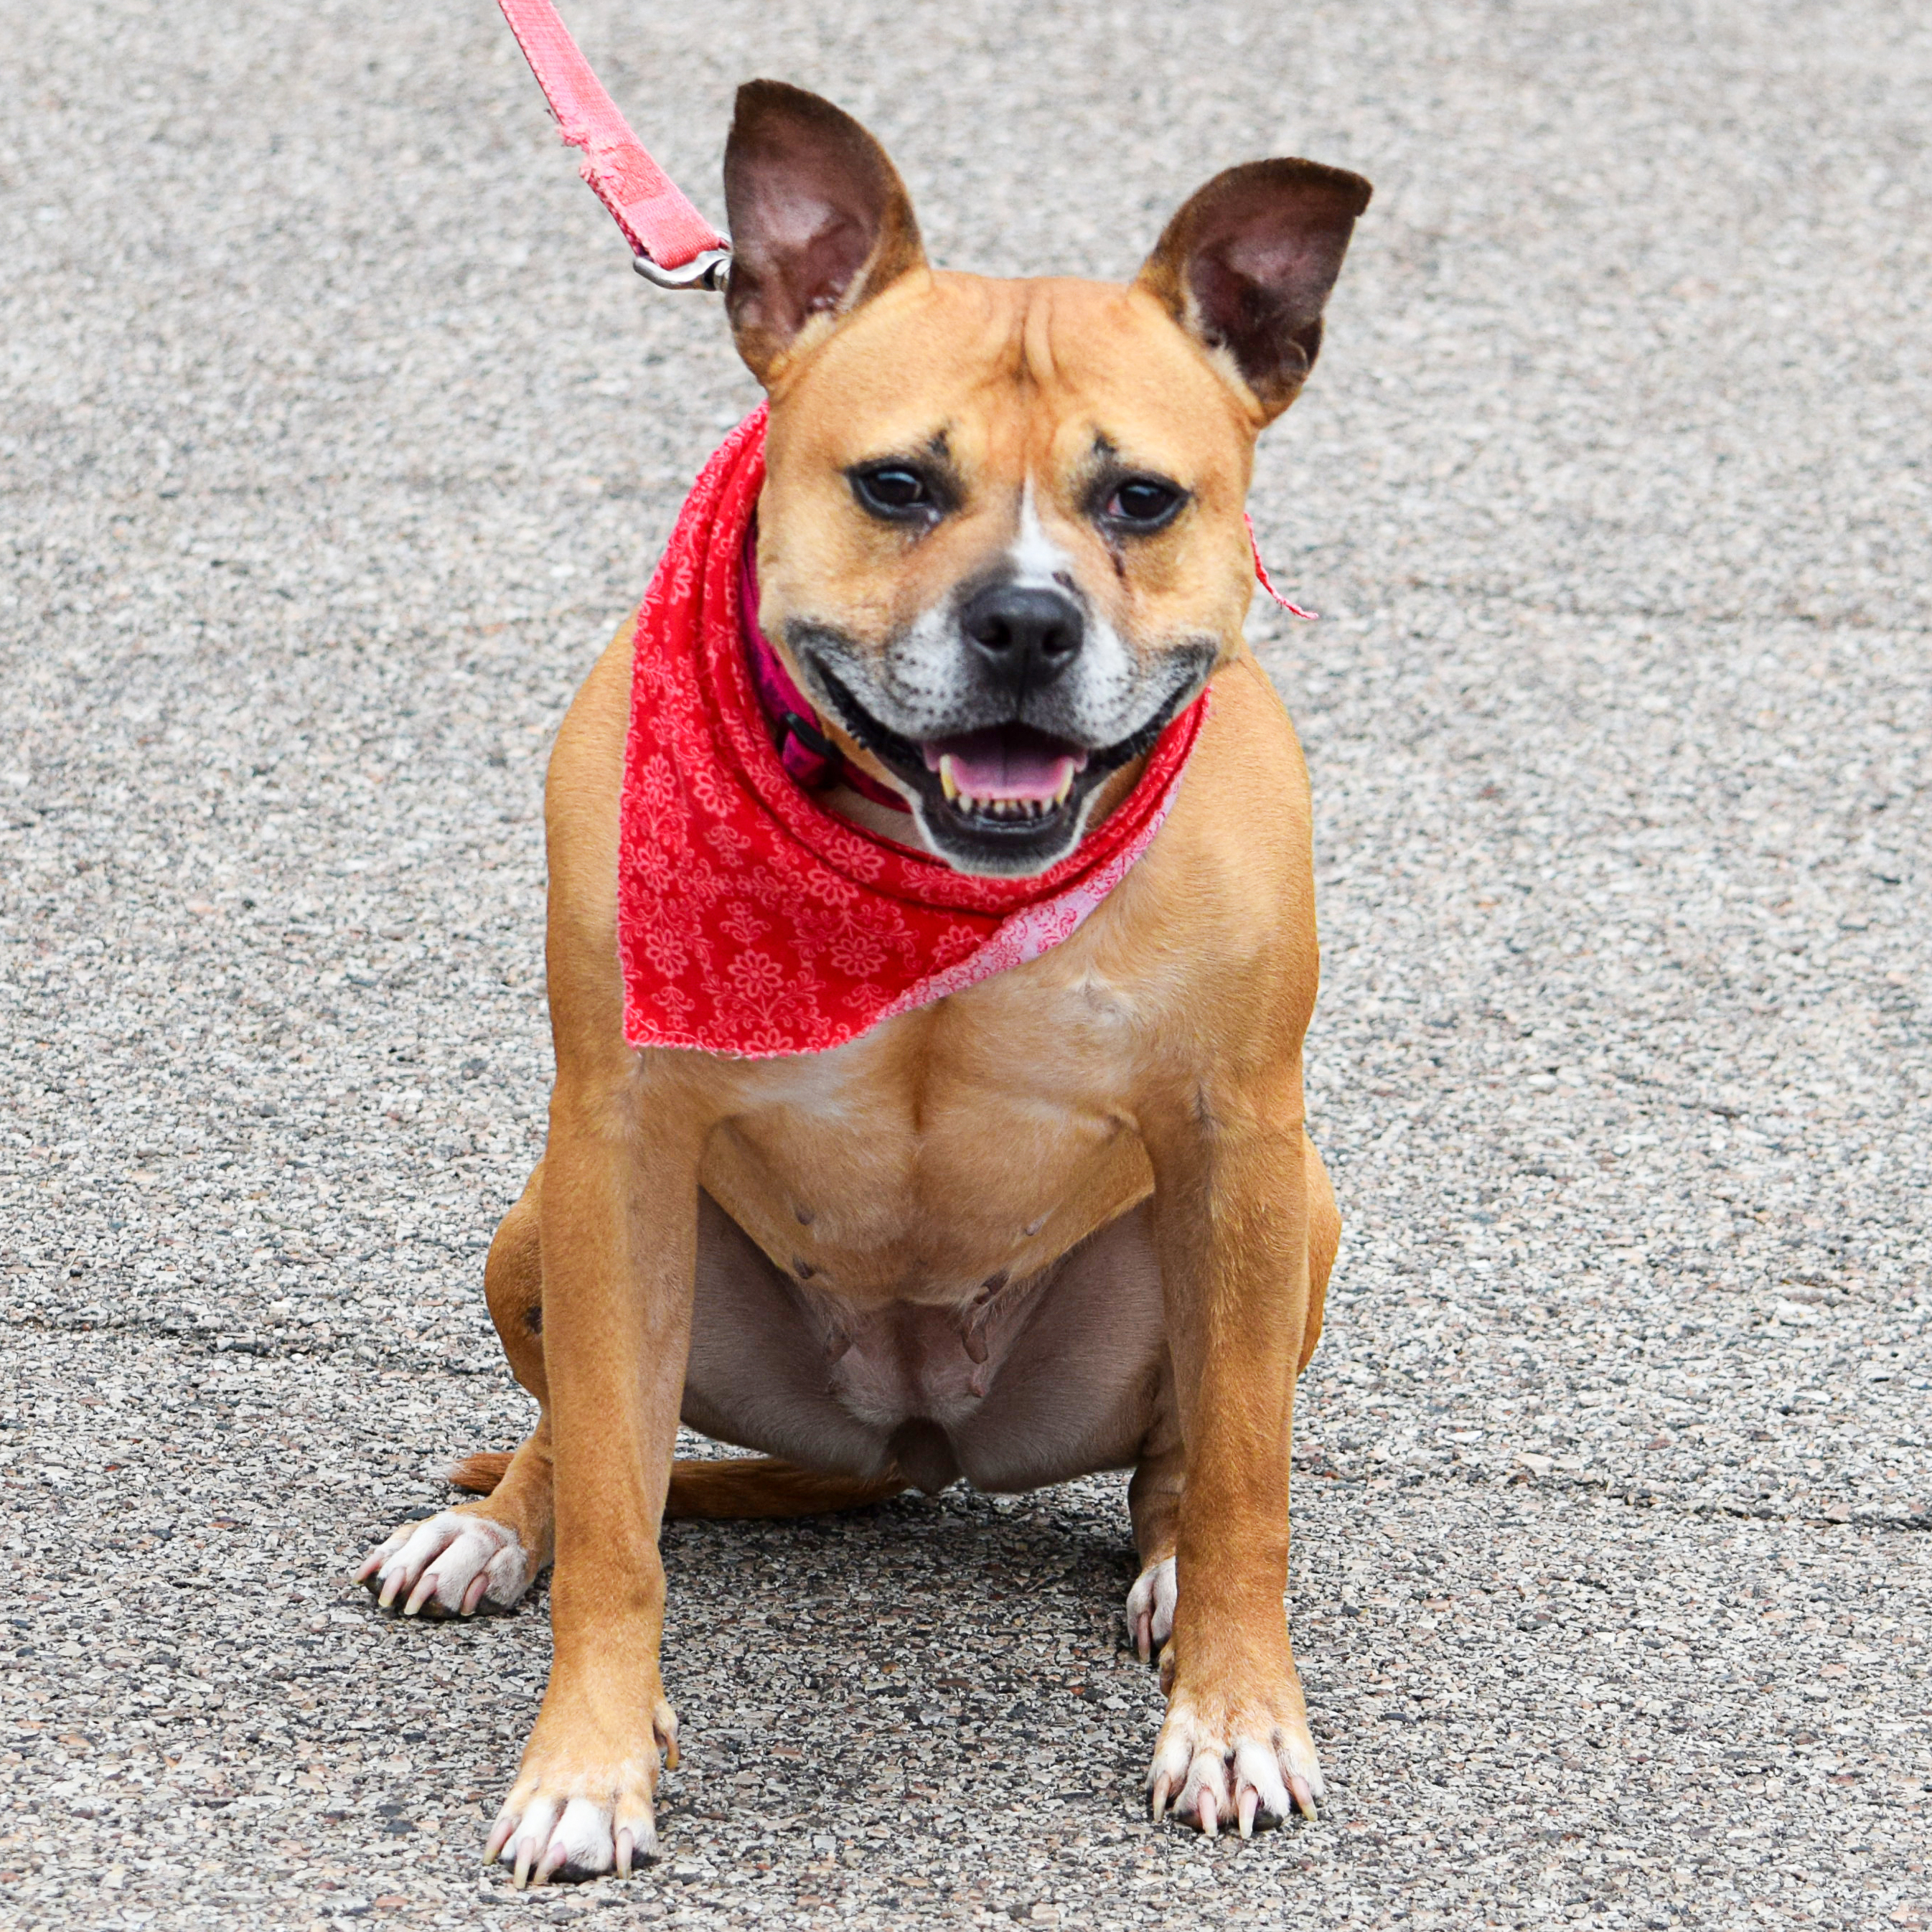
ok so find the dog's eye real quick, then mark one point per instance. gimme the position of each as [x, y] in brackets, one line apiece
[1143, 503]
[891, 490]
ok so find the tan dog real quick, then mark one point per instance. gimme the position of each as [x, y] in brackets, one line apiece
[1066, 1220]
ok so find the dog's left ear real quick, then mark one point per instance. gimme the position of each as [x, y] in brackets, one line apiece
[819, 219]
[1246, 265]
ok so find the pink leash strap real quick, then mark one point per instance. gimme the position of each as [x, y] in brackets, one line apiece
[673, 244]
[1267, 582]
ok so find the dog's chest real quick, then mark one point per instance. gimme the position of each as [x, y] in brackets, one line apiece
[980, 1137]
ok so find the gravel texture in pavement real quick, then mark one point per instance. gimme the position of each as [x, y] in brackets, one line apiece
[334, 439]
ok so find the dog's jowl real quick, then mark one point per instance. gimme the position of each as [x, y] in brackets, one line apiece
[931, 941]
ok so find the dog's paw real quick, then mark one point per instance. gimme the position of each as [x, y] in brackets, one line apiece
[1151, 1608]
[578, 1812]
[452, 1564]
[1228, 1761]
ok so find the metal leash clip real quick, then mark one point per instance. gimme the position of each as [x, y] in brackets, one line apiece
[707, 269]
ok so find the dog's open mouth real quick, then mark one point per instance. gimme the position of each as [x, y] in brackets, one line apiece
[1005, 797]
[1005, 774]
[1004, 800]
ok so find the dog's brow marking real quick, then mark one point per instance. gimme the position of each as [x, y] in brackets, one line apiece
[1039, 562]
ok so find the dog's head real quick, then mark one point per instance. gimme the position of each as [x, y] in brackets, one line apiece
[1001, 540]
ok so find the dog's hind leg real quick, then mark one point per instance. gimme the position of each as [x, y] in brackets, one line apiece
[1154, 1502]
[489, 1551]
[1324, 1237]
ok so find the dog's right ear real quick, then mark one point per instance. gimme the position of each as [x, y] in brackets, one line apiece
[820, 220]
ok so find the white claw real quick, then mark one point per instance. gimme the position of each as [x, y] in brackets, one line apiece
[1303, 1770]
[1150, 1608]
[1257, 1775]
[526, 1847]
[637, 1840]
[374, 1562]
[1167, 1775]
[500, 1834]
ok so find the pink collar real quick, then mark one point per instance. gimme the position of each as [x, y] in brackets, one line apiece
[814, 761]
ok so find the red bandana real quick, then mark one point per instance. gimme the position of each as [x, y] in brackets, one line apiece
[752, 921]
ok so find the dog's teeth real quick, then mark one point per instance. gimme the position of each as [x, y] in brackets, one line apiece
[948, 784]
[1066, 790]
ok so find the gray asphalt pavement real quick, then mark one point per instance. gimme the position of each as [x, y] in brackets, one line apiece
[335, 438]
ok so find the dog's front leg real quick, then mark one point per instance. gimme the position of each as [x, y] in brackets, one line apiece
[619, 1221]
[1231, 1224]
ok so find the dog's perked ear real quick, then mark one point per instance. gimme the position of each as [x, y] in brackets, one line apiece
[819, 219]
[1246, 265]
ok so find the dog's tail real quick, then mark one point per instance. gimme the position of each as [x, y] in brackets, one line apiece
[481, 1473]
[738, 1486]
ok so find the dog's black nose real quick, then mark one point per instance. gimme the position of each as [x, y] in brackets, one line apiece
[1025, 636]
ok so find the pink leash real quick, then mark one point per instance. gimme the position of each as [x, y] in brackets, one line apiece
[671, 244]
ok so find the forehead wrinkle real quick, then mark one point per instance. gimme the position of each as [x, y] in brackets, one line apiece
[1040, 366]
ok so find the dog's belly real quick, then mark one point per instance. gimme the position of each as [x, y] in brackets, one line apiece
[1043, 1378]
[926, 1247]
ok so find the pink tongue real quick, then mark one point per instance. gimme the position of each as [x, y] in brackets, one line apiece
[1007, 761]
